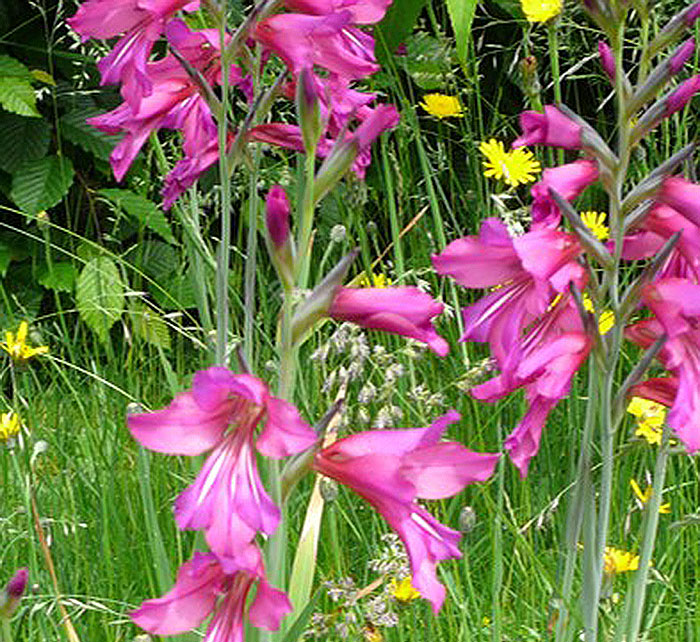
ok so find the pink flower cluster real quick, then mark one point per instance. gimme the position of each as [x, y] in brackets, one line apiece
[163, 93]
[529, 317]
[220, 415]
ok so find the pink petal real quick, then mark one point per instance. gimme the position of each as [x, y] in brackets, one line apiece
[269, 607]
[285, 432]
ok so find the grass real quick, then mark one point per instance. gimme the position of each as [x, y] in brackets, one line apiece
[111, 537]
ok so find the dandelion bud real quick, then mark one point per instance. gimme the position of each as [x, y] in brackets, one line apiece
[308, 110]
[12, 593]
[329, 489]
[531, 81]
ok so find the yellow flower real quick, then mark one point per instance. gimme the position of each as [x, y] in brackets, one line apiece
[541, 10]
[517, 167]
[442, 106]
[645, 496]
[377, 281]
[16, 346]
[619, 561]
[372, 634]
[403, 590]
[650, 419]
[595, 222]
[606, 320]
[9, 425]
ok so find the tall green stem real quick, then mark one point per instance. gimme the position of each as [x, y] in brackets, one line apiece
[223, 257]
[553, 40]
[6, 632]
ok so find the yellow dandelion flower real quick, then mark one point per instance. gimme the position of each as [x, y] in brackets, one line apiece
[442, 106]
[377, 281]
[517, 167]
[541, 10]
[372, 634]
[617, 561]
[9, 425]
[16, 345]
[606, 320]
[650, 419]
[595, 222]
[645, 496]
[403, 590]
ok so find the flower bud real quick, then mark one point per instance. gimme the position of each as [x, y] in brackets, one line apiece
[308, 110]
[607, 59]
[467, 519]
[674, 29]
[279, 242]
[12, 593]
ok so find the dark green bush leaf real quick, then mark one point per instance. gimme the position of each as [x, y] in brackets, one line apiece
[40, 184]
[16, 91]
[61, 277]
[149, 325]
[75, 130]
[23, 139]
[145, 211]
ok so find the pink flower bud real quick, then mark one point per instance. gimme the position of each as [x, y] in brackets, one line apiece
[681, 56]
[11, 595]
[607, 59]
[277, 215]
[681, 96]
[551, 128]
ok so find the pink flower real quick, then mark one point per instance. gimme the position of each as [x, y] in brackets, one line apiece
[142, 23]
[328, 41]
[525, 273]
[658, 226]
[676, 304]
[204, 587]
[361, 11]
[227, 499]
[680, 97]
[607, 59]
[391, 468]
[405, 311]
[683, 196]
[568, 181]
[662, 390]
[551, 128]
[544, 361]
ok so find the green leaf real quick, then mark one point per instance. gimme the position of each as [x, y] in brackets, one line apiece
[300, 624]
[428, 61]
[40, 184]
[176, 293]
[75, 130]
[145, 211]
[100, 295]
[149, 326]
[397, 24]
[18, 97]
[158, 260]
[43, 76]
[23, 139]
[461, 15]
[13, 68]
[61, 277]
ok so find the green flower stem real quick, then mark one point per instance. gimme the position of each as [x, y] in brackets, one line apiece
[307, 220]
[644, 21]
[223, 256]
[497, 552]
[574, 518]
[553, 41]
[6, 633]
[638, 594]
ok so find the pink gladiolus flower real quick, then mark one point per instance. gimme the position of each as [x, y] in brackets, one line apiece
[662, 390]
[525, 274]
[544, 362]
[142, 23]
[391, 468]
[406, 311]
[683, 196]
[568, 181]
[227, 499]
[327, 41]
[203, 587]
[361, 11]
[551, 128]
[658, 226]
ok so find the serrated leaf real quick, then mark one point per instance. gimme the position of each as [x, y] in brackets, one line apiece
[23, 139]
[145, 211]
[75, 130]
[428, 61]
[100, 295]
[61, 277]
[40, 184]
[148, 325]
[12, 68]
[18, 97]
[175, 294]
[157, 259]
